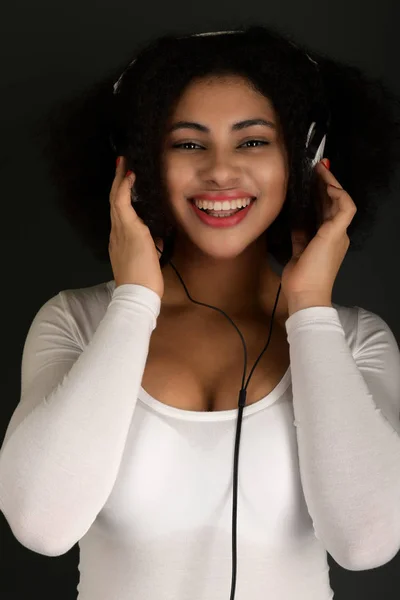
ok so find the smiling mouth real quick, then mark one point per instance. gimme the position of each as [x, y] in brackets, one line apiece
[222, 212]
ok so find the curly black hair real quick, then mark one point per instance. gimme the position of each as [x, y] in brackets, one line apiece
[363, 140]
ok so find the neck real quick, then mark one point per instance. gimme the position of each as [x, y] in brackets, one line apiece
[244, 285]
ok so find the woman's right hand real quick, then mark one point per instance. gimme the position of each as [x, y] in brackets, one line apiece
[133, 254]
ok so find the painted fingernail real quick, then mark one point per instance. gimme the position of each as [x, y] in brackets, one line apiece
[117, 161]
[326, 162]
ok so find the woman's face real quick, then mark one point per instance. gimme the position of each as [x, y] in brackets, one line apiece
[216, 156]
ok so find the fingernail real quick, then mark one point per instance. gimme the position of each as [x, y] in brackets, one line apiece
[117, 161]
[128, 173]
[326, 162]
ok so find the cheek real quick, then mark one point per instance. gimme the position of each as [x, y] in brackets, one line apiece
[275, 177]
[175, 174]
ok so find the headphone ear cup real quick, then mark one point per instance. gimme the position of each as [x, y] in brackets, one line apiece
[320, 152]
[315, 144]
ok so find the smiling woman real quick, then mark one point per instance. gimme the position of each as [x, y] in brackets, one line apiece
[130, 399]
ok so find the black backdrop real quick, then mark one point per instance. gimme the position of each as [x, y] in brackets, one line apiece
[51, 48]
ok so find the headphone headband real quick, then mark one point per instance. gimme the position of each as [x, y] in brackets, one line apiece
[118, 82]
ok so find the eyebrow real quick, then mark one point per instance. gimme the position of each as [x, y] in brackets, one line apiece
[235, 127]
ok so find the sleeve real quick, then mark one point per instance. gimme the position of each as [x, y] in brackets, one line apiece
[64, 444]
[347, 409]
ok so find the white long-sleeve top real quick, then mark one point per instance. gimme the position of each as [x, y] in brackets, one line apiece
[90, 457]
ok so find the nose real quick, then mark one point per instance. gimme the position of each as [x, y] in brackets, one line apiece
[222, 169]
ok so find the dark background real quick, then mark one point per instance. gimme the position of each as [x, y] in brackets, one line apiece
[50, 49]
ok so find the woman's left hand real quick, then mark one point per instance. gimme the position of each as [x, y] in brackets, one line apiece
[313, 268]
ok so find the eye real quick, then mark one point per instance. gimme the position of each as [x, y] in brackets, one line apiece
[248, 142]
[257, 142]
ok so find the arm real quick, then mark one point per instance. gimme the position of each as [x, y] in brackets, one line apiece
[63, 446]
[346, 410]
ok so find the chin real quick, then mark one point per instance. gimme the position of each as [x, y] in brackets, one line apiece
[228, 248]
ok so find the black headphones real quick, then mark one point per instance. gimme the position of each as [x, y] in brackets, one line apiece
[315, 145]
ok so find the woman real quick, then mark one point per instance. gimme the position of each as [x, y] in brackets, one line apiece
[123, 437]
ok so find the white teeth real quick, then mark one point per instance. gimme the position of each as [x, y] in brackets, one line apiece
[225, 205]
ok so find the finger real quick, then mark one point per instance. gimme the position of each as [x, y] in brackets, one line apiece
[120, 169]
[120, 173]
[344, 207]
[121, 187]
[327, 175]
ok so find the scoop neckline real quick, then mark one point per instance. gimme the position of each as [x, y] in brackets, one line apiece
[218, 415]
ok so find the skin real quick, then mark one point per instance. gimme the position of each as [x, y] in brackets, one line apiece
[227, 268]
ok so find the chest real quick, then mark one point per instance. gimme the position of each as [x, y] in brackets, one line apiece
[196, 361]
[175, 483]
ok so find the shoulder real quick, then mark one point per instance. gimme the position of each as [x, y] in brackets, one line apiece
[375, 351]
[362, 326]
[87, 306]
[75, 312]
[92, 297]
